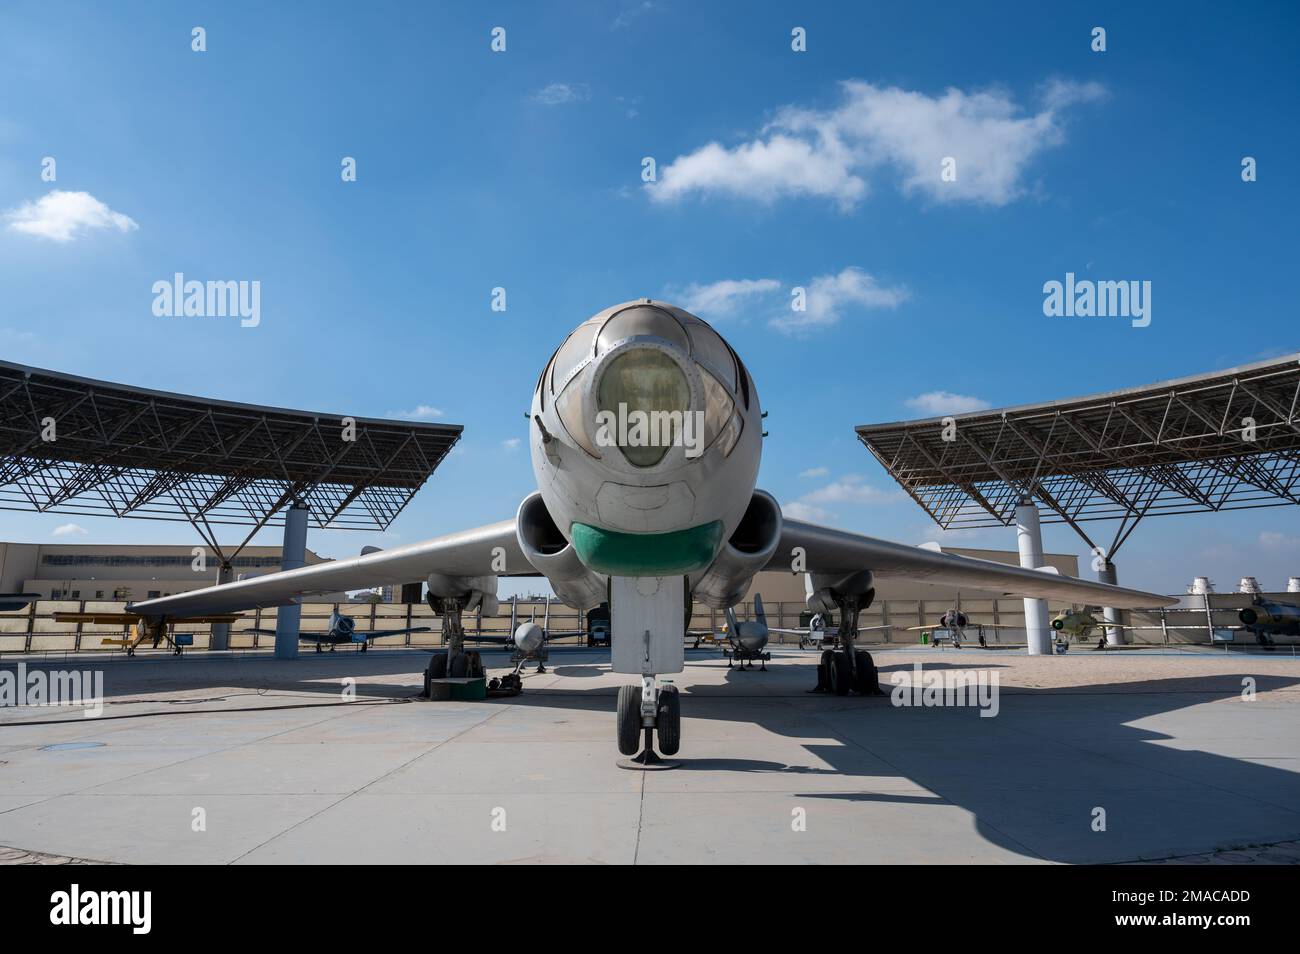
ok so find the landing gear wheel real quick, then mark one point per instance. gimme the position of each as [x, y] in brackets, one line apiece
[459, 666]
[364, 646]
[668, 720]
[868, 677]
[318, 647]
[473, 665]
[841, 676]
[629, 719]
[438, 666]
[823, 673]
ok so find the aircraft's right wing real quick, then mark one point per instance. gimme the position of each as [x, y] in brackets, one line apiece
[467, 553]
[830, 551]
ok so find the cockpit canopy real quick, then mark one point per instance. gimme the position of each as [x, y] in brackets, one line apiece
[661, 351]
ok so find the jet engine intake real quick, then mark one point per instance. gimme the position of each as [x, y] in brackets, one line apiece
[555, 558]
[745, 552]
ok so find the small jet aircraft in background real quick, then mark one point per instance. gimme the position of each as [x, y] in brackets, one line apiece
[528, 638]
[747, 641]
[953, 625]
[1081, 624]
[817, 635]
[1268, 618]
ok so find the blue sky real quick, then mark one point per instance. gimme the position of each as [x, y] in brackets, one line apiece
[522, 169]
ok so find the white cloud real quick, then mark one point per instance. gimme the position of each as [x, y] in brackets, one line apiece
[63, 216]
[722, 299]
[849, 489]
[1059, 93]
[510, 443]
[1273, 540]
[423, 412]
[831, 153]
[815, 472]
[68, 529]
[829, 294]
[797, 510]
[631, 14]
[558, 94]
[765, 170]
[935, 403]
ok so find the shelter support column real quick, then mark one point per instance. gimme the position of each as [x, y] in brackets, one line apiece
[1029, 538]
[293, 555]
[1114, 636]
[221, 631]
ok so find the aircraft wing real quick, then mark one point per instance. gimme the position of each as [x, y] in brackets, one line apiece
[126, 619]
[467, 553]
[833, 551]
[376, 634]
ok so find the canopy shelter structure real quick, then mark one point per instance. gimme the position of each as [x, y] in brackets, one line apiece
[1226, 440]
[73, 445]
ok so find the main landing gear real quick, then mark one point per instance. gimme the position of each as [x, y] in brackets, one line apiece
[642, 711]
[455, 662]
[848, 669]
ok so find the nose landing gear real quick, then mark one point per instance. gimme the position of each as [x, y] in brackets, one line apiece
[643, 710]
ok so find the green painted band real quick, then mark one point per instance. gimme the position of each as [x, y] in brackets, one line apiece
[647, 554]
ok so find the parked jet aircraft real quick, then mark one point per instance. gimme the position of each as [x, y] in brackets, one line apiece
[645, 433]
[1269, 618]
[1081, 624]
[953, 625]
[528, 638]
[746, 640]
[818, 635]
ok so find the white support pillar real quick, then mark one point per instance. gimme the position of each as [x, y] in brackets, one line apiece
[221, 631]
[1029, 538]
[1114, 636]
[293, 555]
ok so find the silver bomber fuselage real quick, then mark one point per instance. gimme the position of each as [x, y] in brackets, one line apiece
[657, 502]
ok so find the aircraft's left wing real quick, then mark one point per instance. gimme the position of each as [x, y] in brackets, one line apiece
[467, 553]
[378, 633]
[834, 551]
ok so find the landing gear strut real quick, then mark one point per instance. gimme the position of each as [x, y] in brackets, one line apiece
[455, 662]
[643, 710]
[848, 669]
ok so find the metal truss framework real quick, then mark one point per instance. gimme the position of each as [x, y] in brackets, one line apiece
[1227, 440]
[123, 451]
